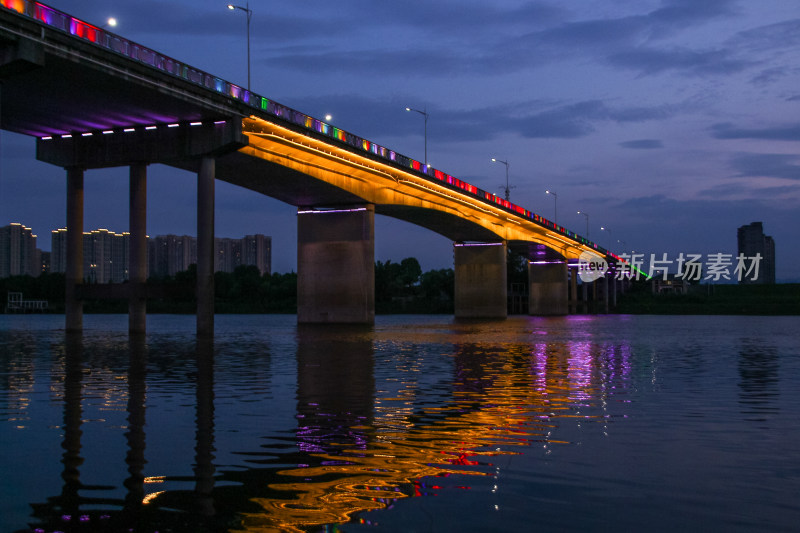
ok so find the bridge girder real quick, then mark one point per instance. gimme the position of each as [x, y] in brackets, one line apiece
[394, 192]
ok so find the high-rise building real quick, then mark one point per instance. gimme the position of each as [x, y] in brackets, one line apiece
[257, 250]
[752, 242]
[169, 254]
[228, 254]
[18, 253]
[105, 255]
[58, 250]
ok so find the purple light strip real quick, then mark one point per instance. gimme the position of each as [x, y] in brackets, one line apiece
[326, 211]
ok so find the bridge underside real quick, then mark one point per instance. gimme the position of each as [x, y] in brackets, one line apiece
[57, 84]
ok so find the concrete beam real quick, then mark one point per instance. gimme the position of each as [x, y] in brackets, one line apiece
[159, 143]
[336, 265]
[548, 289]
[481, 289]
[20, 56]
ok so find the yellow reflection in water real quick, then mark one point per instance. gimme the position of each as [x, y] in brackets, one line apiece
[502, 401]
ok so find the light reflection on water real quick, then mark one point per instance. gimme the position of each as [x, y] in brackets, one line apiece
[420, 423]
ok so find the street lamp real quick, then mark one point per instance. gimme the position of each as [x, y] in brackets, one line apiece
[603, 228]
[555, 204]
[247, 10]
[506, 164]
[424, 113]
[111, 22]
[587, 221]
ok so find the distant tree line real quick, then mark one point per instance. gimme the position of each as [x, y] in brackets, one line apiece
[399, 288]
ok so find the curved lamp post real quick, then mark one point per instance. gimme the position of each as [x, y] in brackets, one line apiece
[249, 12]
[587, 221]
[506, 164]
[555, 204]
[424, 113]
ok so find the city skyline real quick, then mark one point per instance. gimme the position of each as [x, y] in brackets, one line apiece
[669, 122]
[106, 253]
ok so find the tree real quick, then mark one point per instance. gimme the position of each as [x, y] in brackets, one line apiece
[410, 271]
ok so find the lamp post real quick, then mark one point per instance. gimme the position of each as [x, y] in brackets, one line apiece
[603, 228]
[506, 164]
[587, 221]
[555, 205]
[424, 113]
[247, 10]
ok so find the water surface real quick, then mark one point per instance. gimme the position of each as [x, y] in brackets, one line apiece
[420, 423]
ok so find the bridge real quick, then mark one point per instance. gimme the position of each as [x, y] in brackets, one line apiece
[93, 100]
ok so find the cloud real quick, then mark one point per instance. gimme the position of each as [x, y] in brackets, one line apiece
[726, 190]
[445, 38]
[779, 133]
[771, 75]
[643, 144]
[653, 61]
[535, 119]
[780, 36]
[767, 165]
[680, 13]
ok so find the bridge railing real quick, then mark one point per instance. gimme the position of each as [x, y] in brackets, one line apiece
[260, 105]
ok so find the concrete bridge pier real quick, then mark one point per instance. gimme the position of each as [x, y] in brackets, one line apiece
[613, 289]
[194, 147]
[480, 280]
[137, 249]
[73, 305]
[548, 288]
[573, 288]
[336, 265]
[205, 247]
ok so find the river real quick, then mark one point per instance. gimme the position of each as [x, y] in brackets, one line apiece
[420, 423]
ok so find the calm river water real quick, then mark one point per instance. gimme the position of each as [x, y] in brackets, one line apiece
[420, 423]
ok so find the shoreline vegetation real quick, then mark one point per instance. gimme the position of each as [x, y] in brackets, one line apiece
[402, 288]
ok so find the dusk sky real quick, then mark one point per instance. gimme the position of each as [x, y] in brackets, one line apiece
[670, 122]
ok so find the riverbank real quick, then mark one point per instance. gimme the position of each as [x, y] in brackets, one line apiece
[779, 299]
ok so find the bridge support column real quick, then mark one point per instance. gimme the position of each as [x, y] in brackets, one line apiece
[613, 290]
[548, 288]
[73, 306]
[137, 251]
[336, 265]
[205, 247]
[573, 289]
[481, 289]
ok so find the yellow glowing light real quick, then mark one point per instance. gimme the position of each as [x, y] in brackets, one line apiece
[152, 496]
[383, 184]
